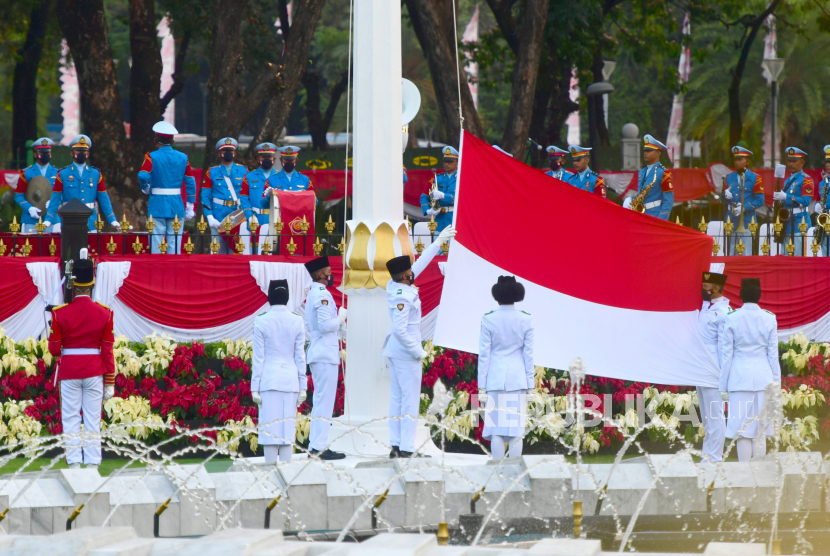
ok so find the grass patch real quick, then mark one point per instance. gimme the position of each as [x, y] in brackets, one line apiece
[215, 465]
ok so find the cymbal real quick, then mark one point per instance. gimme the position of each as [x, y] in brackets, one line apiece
[38, 192]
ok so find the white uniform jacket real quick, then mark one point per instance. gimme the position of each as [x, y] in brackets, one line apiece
[279, 354]
[404, 306]
[749, 350]
[505, 350]
[322, 325]
[710, 322]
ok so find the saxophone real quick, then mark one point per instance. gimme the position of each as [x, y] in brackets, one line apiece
[823, 219]
[637, 202]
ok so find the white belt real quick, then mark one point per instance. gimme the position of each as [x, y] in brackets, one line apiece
[165, 191]
[91, 205]
[259, 210]
[653, 204]
[81, 351]
[797, 210]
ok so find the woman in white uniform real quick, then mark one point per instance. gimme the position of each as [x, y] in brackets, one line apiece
[278, 381]
[505, 369]
[749, 363]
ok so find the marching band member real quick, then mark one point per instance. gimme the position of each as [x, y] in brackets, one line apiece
[81, 181]
[749, 362]
[824, 186]
[42, 167]
[81, 338]
[557, 164]
[403, 346]
[656, 178]
[289, 179]
[254, 185]
[795, 196]
[709, 322]
[744, 193]
[161, 177]
[505, 369]
[443, 194]
[582, 177]
[323, 323]
[278, 381]
[222, 191]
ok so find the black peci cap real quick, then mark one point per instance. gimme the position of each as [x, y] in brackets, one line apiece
[278, 292]
[399, 264]
[314, 265]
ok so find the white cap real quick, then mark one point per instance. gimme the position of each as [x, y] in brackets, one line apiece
[164, 128]
[717, 268]
[84, 253]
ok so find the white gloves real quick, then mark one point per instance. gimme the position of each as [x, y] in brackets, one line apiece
[189, 211]
[482, 396]
[438, 195]
[109, 391]
[213, 222]
[47, 223]
[446, 234]
[433, 212]
[736, 210]
[627, 203]
[56, 229]
[115, 224]
[818, 208]
[34, 212]
[724, 396]
[256, 397]
[146, 191]
[301, 398]
[267, 191]
[779, 196]
[728, 194]
[423, 355]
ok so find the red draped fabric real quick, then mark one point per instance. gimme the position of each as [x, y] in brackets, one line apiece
[204, 291]
[796, 289]
[18, 289]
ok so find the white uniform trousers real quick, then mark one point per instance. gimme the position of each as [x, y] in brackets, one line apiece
[714, 424]
[404, 403]
[745, 409]
[324, 376]
[277, 418]
[85, 394]
[164, 227]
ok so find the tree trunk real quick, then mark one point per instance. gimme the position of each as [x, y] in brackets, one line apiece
[145, 74]
[334, 99]
[290, 72]
[429, 22]
[525, 73]
[85, 29]
[311, 82]
[541, 99]
[24, 86]
[561, 105]
[734, 92]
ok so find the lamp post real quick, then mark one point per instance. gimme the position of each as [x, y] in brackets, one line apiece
[594, 90]
[774, 67]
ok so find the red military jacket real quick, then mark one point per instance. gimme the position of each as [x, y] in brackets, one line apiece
[83, 324]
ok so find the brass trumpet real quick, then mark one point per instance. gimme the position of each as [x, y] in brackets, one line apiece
[823, 219]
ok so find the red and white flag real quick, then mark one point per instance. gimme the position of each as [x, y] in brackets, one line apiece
[619, 289]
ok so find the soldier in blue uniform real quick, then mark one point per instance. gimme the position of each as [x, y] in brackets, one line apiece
[660, 198]
[744, 193]
[289, 179]
[81, 181]
[161, 177]
[582, 177]
[42, 167]
[444, 194]
[222, 191]
[795, 196]
[254, 185]
[557, 163]
[824, 185]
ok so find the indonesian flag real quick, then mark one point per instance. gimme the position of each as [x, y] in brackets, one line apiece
[294, 205]
[617, 288]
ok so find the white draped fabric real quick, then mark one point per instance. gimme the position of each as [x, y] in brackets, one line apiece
[31, 321]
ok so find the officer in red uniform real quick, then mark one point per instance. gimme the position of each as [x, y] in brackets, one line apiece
[82, 341]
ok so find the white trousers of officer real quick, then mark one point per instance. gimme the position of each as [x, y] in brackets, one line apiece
[164, 227]
[324, 376]
[85, 394]
[714, 424]
[405, 400]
